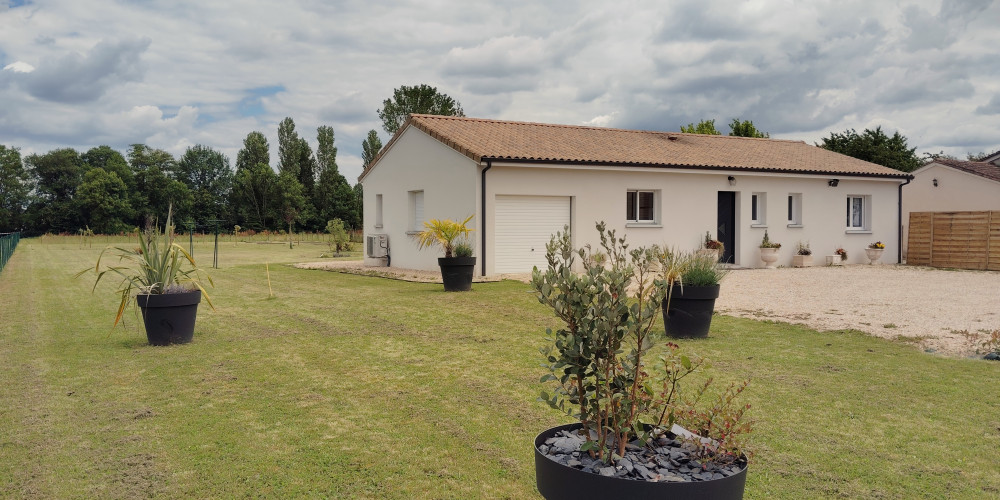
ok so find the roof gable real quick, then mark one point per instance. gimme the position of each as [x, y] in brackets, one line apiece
[980, 168]
[499, 140]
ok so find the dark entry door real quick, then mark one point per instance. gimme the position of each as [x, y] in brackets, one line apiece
[727, 224]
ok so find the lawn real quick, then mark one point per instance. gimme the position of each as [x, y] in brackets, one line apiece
[358, 387]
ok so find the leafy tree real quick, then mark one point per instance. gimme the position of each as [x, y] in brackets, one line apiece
[706, 127]
[359, 199]
[980, 156]
[55, 175]
[293, 204]
[288, 147]
[874, 146]
[745, 129]
[142, 157]
[103, 198]
[339, 239]
[258, 191]
[159, 193]
[370, 148]
[14, 189]
[255, 185]
[418, 99]
[307, 168]
[207, 174]
[334, 198]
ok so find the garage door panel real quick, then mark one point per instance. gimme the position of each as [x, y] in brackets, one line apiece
[523, 226]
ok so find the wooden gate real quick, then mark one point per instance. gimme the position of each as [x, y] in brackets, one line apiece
[961, 240]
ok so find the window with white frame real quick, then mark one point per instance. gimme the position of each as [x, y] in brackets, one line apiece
[858, 213]
[795, 209]
[640, 206]
[758, 209]
[378, 210]
[416, 210]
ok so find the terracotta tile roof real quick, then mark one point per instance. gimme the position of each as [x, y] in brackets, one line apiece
[980, 168]
[498, 140]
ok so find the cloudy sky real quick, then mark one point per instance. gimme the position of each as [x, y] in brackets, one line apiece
[172, 74]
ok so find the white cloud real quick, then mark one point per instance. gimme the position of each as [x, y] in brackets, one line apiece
[174, 74]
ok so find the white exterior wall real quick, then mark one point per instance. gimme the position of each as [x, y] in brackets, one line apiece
[956, 191]
[414, 162]
[687, 207]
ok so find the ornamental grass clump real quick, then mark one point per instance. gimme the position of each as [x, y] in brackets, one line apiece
[598, 360]
[701, 270]
[157, 266]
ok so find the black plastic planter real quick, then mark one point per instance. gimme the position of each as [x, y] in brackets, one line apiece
[690, 311]
[169, 317]
[556, 481]
[456, 273]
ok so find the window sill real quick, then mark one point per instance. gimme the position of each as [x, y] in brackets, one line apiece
[858, 231]
[761, 226]
[378, 226]
[643, 224]
[412, 233]
[795, 225]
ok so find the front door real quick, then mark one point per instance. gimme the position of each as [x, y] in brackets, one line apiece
[726, 231]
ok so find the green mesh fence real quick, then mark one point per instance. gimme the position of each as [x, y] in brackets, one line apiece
[8, 242]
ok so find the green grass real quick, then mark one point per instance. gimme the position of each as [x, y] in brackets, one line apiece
[357, 387]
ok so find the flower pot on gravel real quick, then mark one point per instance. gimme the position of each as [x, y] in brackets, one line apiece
[689, 314]
[169, 317]
[558, 481]
[457, 272]
[769, 256]
[874, 254]
[834, 260]
[802, 260]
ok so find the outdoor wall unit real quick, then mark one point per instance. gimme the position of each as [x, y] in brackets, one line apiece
[377, 245]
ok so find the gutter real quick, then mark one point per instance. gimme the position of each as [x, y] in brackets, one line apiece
[899, 216]
[482, 216]
[710, 168]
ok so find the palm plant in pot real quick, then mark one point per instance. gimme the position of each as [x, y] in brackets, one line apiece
[458, 265]
[688, 307]
[637, 433]
[162, 279]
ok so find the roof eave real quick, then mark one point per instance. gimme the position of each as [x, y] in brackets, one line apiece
[900, 175]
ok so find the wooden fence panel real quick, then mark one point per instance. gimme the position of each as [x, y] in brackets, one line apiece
[962, 240]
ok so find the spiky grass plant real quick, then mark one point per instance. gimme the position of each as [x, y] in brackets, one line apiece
[157, 266]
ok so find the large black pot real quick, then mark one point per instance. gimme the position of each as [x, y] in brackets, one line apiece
[690, 311]
[169, 317]
[556, 481]
[456, 272]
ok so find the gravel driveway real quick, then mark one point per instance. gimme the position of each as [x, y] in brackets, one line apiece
[932, 306]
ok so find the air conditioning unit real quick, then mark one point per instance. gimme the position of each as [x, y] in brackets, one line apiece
[377, 245]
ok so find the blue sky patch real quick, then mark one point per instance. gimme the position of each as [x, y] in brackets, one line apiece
[253, 104]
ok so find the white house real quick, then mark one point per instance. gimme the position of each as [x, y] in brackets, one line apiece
[952, 186]
[525, 181]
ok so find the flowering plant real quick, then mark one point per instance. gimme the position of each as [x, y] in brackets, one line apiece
[877, 245]
[803, 249]
[842, 253]
[711, 243]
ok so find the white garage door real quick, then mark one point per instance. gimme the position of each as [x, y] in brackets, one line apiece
[524, 224]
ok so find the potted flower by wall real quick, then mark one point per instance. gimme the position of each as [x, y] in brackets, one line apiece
[874, 252]
[803, 256]
[629, 440]
[163, 279]
[457, 268]
[712, 247]
[687, 310]
[769, 251]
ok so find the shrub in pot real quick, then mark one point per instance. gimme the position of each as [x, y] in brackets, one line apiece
[803, 256]
[162, 279]
[688, 307]
[769, 251]
[456, 269]
[629, 439]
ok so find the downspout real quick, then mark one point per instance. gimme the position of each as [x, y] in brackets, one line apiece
[899, 240]
[482, 217]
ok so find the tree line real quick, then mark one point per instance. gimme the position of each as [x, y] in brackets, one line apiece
[64, 191]
[105, 191]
